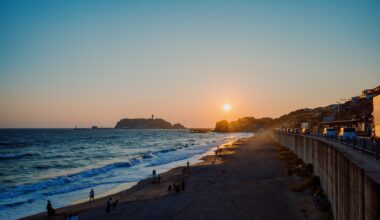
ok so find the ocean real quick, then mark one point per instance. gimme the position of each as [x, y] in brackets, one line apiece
[62, 165]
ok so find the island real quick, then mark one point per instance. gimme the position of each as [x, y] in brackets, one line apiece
[146, 123]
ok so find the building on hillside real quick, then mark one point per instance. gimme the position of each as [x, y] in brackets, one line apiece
[329, 118]
[362, 126]
[369, 93]
[333, 106]
[355, 99]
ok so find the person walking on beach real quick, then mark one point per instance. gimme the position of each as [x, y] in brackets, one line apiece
[50, 209]
[108, 206]
[154, 173]
[92, 195]
[176, 188]
[114, 204]
[188, 166]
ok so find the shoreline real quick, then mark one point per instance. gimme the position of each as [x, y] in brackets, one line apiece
[246, 179]
[126, 186]
[83, 204]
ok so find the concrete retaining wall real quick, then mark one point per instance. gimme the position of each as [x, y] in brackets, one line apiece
[350, 179]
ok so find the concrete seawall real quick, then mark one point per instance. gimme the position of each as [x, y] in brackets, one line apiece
[350, 179]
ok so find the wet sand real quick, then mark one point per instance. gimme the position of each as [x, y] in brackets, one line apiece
[245, 181]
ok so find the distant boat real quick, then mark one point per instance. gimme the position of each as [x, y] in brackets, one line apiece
[76, 128]
[200, 130]
[92, 128]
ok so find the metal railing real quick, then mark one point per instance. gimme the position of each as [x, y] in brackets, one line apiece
[365, 145]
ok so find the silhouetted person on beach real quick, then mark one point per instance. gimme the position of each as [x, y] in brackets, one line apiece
[188, 165]
[170, 188]
[154, 173]
[176, 188]
[114, 204]
[50, 209]
[108, 206]
[92, 195]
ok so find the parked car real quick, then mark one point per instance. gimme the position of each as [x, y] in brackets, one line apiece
[347, 133]
[329, 132]
[305, 131]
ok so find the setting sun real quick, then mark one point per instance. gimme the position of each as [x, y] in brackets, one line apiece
[226, 107]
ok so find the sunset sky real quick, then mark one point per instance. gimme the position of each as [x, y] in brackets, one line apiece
[68, 63]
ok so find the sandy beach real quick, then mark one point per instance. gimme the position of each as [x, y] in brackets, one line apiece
[245, 180]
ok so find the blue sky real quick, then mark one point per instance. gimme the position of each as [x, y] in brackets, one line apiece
[67, 63]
